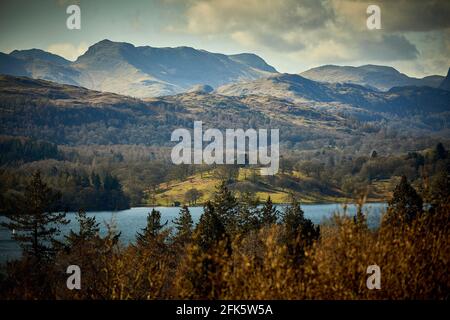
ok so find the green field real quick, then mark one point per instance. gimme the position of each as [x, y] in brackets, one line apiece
[174, 191]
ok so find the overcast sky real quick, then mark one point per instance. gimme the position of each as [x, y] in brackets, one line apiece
[291, 35]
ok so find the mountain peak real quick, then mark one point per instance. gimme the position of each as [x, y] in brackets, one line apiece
[378, 68]
[141, 71]
[40, 55]
[106, 44]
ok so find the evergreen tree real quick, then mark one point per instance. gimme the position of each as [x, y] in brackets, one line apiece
[405, 204]
[209, 239]
[35, 224]
[226, 207]
[89, 229]
[153, 229]
[183, 225]
[299, 232]
[111, 183]
[210, 229]
[247, 218]
[268, 213]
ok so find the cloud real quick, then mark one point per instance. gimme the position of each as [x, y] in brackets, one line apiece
[399, 15]
[324, 31]
[292, 25]
[388, 48]
[68, 50]
[253, 40]
[266, 15]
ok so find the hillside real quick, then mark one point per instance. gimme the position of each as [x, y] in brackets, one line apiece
[372, 76]
[280, 189]
[295, 88]
[65, 114]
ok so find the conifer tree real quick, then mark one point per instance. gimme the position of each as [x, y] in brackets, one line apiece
[299, 232]
[88, 229]
[209, 239]
[210, 229]
[226, 208]
[247, 218]
[183, 224]
[153, 229]
[35, 224]
[405, 204]
[268, 213]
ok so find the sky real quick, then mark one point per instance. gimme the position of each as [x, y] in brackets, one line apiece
[291, 35]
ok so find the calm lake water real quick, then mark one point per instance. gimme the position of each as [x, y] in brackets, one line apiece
[130, 221]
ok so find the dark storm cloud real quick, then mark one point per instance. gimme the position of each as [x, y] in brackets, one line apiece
[388, 48]
[413, 15]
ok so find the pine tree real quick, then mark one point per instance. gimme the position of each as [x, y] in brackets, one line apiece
[247, 218]
[268, 213]
[35, 223]
[209, 240]
[183, 225]
[89, 229]
[210, 229]
[83, 247]
[226, 207]
[153, 229]
[299, 232]
[405, 204]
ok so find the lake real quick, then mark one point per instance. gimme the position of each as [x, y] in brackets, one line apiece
[130, 221]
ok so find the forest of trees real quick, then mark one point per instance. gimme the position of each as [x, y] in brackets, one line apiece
[117, 177]
[237, 250]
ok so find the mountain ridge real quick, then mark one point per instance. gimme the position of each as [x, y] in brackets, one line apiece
[141, 71]
[298, 89]
[379, 77]
[145, 71]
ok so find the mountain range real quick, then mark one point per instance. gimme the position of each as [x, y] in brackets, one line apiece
[295, 88]
[146, 71]
[136, 71]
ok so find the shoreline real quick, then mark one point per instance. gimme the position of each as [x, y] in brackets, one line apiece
[202, 204]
